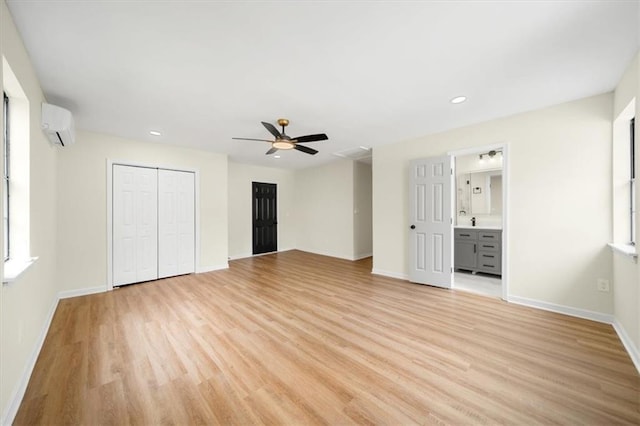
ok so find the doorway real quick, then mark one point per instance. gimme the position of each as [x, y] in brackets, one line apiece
[265, 217]
[480, 182]
[447, 235]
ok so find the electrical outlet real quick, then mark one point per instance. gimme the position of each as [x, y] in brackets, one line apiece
[603, 285]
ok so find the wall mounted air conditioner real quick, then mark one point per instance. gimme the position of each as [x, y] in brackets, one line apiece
[57, 123]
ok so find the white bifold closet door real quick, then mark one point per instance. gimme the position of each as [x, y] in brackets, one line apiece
[135, 224]
[153, 224]
[176, 224]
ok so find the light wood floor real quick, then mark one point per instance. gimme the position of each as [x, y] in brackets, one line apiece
[296, 338]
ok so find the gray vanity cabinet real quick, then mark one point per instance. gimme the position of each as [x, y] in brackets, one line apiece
[466, 250]
[478, 250]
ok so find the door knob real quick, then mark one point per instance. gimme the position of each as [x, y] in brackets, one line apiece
[413, 227]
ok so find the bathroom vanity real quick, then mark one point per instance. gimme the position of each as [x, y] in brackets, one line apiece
[478, 249]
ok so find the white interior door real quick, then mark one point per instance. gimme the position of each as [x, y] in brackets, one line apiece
[176, 226]
[430, 221]
[135, 224]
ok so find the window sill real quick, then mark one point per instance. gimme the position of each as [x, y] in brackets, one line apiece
[13, 268]
[626, 249]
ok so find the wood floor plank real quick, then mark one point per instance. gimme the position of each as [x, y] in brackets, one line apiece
[297, 338]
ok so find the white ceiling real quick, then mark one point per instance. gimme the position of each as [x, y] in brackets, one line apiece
[365, 73]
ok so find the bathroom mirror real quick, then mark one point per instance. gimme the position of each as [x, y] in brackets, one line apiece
[479, 193]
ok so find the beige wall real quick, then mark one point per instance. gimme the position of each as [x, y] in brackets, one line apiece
[82, 203]
[240, 221]
[362, 214]
[26, 304]
[324, 209]
[626, 271]
[559, 207]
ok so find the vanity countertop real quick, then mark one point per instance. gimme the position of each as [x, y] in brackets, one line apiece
[494, 228]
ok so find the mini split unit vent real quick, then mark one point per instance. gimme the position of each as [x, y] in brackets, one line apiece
[57, 123]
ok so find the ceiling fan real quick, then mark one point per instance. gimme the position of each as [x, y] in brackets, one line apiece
[283, 141]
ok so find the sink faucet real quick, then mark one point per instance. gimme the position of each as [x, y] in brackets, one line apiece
[473, 221]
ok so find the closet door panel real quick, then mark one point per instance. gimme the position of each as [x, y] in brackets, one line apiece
[167, 224]
[147, 226]
[176, 254]
[134, 224]
[186, 223]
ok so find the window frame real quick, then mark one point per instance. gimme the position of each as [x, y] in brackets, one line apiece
[6, 179]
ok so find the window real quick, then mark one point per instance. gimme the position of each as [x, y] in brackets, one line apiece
[632, 182]
[5, 111]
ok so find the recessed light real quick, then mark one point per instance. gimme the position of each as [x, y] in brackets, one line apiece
[458, 99]
[155, 133]
[276, 156]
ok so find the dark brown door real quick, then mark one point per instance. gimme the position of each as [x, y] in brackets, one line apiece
[265, 218]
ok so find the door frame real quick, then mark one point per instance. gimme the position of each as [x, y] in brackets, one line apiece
[504, 147]
[109, 231]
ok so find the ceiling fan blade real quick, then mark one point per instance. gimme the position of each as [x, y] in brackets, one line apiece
[271, 128]
[248, 139]
[311, 138]
[306, 149]
[271, 151]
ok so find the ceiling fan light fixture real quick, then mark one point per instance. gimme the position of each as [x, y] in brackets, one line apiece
[283, 144]
[282, 141]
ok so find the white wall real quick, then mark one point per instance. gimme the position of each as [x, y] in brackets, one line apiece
[362, 214]
[26, 305]
[324, 209]
[240, 206]
[626, 272]
[82, 203]
[559, 206]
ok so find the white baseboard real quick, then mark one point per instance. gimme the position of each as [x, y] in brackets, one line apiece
[203, 269]
[240, 256]
[247, 255]
[81, 292]
[561, 309]
[321, 253]
[390, 274]
[18, 393]
[628, 344]
[362, 256]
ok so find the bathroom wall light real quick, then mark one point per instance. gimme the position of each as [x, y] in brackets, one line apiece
[491, 154]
